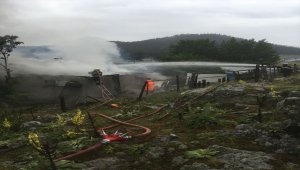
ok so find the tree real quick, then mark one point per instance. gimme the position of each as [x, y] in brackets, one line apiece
[233, 50]
[265, 53]
[7, 44]
[196, 50]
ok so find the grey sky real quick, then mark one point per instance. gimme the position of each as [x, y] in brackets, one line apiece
[42, 22]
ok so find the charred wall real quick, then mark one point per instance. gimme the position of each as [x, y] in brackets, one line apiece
[40, 89]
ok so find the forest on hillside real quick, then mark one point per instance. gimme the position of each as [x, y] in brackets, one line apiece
[159, 48]
[248, 51]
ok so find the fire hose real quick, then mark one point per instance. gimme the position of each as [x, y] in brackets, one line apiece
[136, 118]
[113, 137]
[119, 136]
[146, 132]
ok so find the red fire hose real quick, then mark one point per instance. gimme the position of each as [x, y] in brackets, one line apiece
[118, 123]
[80, 152]
[136, 118]
[146, 132]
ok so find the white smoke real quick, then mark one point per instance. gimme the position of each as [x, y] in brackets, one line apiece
[61, 25]
[75, 56]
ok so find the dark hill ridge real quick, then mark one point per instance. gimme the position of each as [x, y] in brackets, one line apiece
[151, 48]
[155, 48]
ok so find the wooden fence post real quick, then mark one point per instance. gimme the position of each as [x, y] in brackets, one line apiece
[177, 83]
[270, 74]
[62, 104]
[256, 73]
[142, 91]
[96, 134]
[147, 89]
[203, 83]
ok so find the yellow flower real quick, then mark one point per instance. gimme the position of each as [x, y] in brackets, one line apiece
[60, 120]
[34, 140]
[241, 82]
[78, 119]
[6, 123]
[72, 133]
[273, 92]
[83, 130]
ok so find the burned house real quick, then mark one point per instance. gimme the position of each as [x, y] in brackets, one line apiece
[39, 89]
[74, 90]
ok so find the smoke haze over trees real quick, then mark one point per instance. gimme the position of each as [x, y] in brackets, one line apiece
[74, 56]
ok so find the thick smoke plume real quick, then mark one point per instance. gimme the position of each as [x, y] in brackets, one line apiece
[75, 56]
[62, 26]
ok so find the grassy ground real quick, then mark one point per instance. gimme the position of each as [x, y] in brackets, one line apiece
[199, 120]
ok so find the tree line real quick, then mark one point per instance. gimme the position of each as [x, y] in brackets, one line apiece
[246, 51]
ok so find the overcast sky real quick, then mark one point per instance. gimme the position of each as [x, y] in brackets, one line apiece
[43, 22]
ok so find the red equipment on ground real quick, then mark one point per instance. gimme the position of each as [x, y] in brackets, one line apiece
[117, 136]
[149, 85]
[113, 137]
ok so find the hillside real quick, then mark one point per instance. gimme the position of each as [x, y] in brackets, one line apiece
[151, 48]
[155, 48]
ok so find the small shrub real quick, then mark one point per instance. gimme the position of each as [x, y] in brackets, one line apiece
[70, 133]
[9, 120]
[202, 117]
[241, 82]
[6, 124]
[34, 140]
[60, 120]
[109, 150]
[273, 92]
[78, 119]
[201, 153]
[127, 114]
[202, 120]
[136, 149]
[245, 119]
[207, 116]
[207, 136]
[43, 147]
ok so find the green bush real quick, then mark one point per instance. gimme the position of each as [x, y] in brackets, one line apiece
[201, 117]
[207, 116]
[13, 118]
[201, 120]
